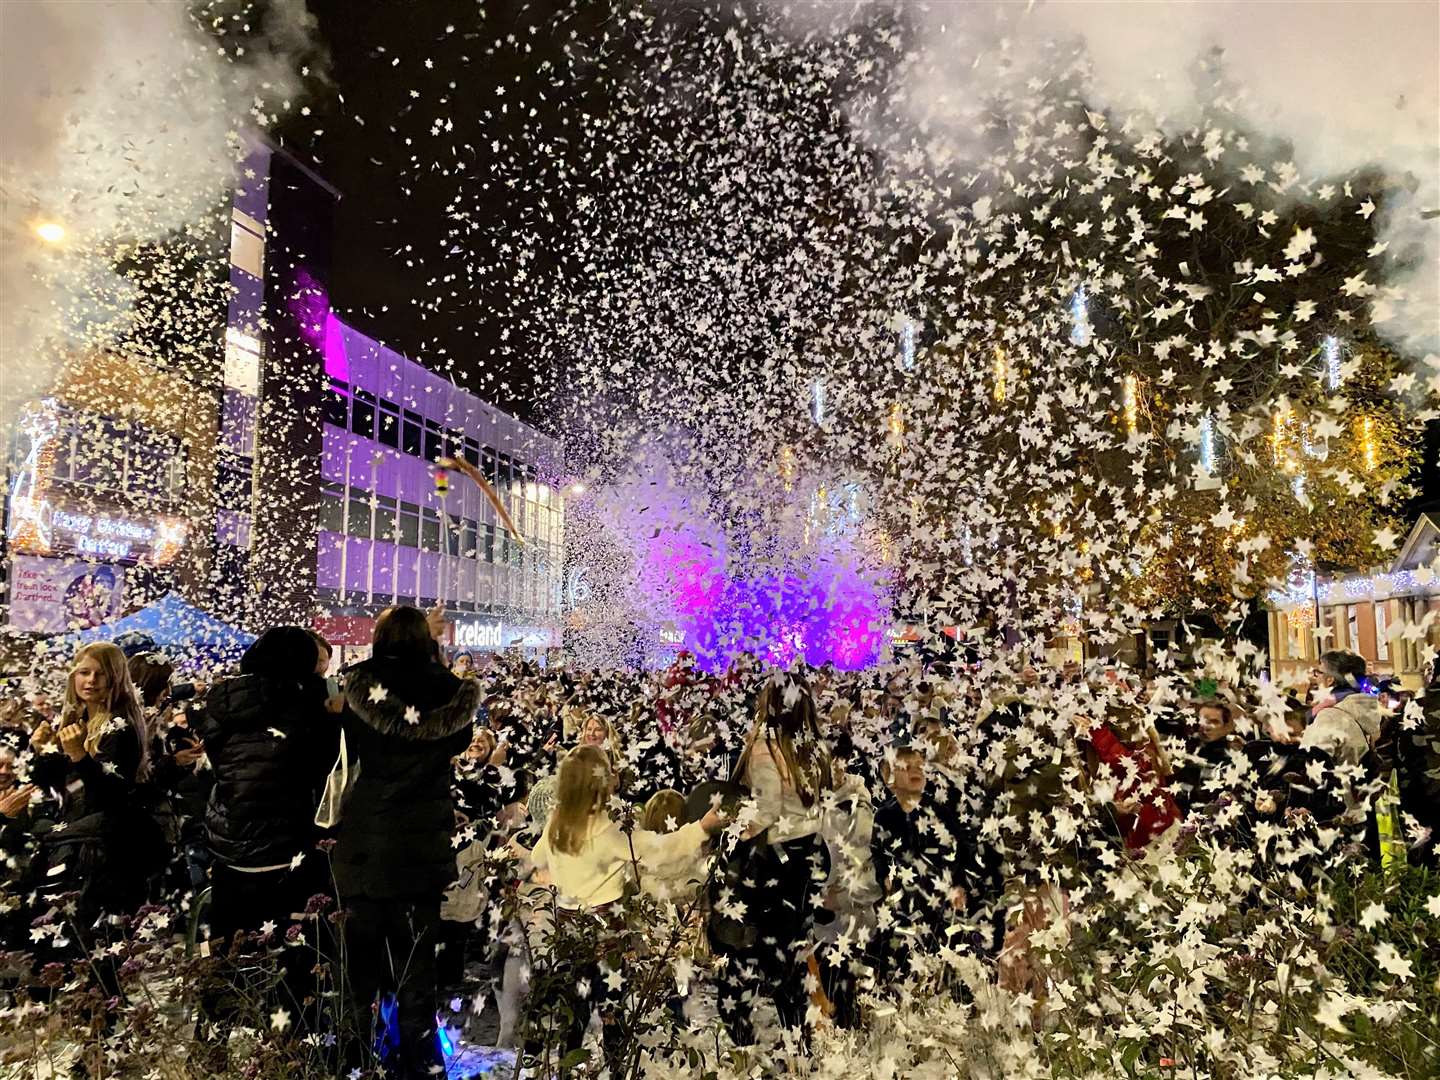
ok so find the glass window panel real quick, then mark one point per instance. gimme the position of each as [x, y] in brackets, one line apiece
[430, 534]
[384, 524]
[411, 441]
[389, 428]
[409, 529]
[337, 408]
[359, 518]
[362, 418]
[432, 445]
[332, 512]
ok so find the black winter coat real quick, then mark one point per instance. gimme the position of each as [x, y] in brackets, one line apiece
[271, 744]
[405, 720]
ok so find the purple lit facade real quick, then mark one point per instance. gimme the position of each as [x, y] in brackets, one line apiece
[352, 517]
[385, 534]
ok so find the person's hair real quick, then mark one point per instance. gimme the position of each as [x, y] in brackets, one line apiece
[151, 674]
[1343, 667]
[404, 633]
[785, 719]
[286, 653]
[320, 643]
[662, 808]
[581, 788]
[122, 702]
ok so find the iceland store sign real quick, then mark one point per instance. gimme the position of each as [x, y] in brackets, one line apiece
[495, 635]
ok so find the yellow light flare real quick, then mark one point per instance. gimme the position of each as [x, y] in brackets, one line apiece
[1132, 404]
[1367, 443]
[50, 231]
[1000, 370]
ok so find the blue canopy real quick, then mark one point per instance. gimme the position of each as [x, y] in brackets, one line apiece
[174, 625]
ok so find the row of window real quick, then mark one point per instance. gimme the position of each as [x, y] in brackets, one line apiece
[118, 455]
[387, 423]
[380, 517]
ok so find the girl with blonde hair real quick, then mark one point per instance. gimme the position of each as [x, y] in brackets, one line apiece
[591, 861]
[99, 760]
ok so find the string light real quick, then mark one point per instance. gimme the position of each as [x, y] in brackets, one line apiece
[1278, 425]
[1332, 362]
[1132, 403]
[1000, 369]
[817, 401]
[1207, 443]
[1079, 318]
[907, 345]
[897, 421]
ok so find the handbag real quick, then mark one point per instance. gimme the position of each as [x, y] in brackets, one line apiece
[465, 899]
[337, 788]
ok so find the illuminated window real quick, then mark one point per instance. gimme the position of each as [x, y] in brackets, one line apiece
[1382, 630]
[247, 250]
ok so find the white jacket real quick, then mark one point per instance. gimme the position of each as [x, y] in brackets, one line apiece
[1345, 730]
[597, 874]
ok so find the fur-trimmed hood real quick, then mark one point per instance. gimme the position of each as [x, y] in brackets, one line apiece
[409, 700]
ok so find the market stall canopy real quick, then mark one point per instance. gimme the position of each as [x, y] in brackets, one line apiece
[175, 626]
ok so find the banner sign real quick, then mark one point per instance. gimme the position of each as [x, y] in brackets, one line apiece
[56, 596]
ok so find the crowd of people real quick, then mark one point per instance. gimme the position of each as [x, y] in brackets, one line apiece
[465, 838]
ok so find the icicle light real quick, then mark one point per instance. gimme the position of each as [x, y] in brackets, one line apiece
[1001, 368]
[1080, 318]
[1132, 403]
[1331, 354]
[907, 345]
[1207, 443]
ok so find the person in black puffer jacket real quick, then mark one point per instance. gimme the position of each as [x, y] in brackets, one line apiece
[406, 716]
[271, 742]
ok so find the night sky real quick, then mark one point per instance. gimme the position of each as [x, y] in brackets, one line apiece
[392, 231]
[389, 68]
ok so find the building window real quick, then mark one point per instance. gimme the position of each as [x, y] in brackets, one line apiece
[242, 361]
[429, 530]
[409, 525]
[433, 441]
[332, 508]
[472, 451]
[1352, 627]
[385, 523]
[1382, 630]
[487, 543]
[467, 539]
[362, 415]
[359, 524]
[337, 405]
[411, 437]
[247, 251]
[388, 430]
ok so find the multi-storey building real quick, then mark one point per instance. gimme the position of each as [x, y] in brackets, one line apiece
[386, 535]
[291, 481]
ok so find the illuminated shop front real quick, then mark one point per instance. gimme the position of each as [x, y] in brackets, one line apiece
[93, 523]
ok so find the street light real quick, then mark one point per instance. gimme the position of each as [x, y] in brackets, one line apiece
[51, 232]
